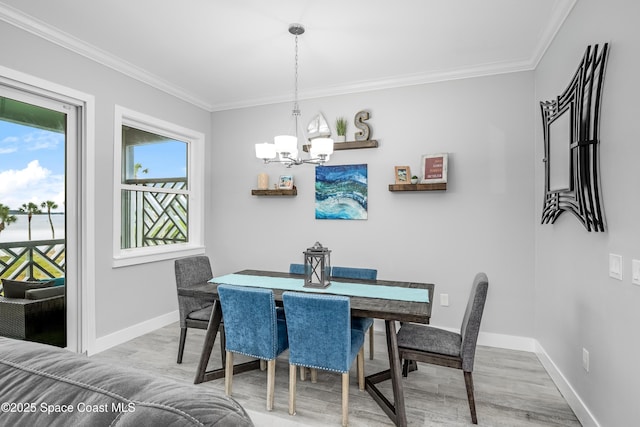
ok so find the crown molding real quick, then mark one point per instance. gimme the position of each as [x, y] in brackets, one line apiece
[558, 17]
[45, 31]
[388, 83]
[560, 14]
[53, 35]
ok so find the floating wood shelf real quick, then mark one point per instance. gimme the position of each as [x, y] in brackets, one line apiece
[277, 192]
[418, 187]
[349, 145]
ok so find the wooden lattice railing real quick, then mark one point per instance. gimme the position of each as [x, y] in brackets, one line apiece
[34, 259]
[164, 218]
[164, 221]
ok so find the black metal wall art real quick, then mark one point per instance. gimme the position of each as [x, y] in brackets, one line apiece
[571, 134]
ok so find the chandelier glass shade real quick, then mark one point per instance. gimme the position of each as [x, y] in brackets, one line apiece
[284, 148]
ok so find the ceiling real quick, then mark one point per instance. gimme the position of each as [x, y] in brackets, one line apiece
[223, 54]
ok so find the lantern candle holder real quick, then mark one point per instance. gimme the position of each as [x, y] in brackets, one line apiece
[317, 266]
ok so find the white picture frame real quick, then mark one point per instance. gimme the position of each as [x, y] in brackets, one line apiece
[434, 168]
[285, 182]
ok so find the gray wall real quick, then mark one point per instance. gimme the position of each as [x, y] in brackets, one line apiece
[483, 222]
[547, 282]
[130, 295]
[578, 304]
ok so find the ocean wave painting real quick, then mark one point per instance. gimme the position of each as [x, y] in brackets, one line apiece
[341, 192]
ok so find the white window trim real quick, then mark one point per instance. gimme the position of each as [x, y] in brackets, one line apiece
[195, 168]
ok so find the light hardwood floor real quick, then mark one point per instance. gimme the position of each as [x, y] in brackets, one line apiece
[511, 387]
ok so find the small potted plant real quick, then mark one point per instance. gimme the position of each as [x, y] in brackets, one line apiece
[414, 179]
[341, 129]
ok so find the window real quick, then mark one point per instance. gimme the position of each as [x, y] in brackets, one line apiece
[158, 207]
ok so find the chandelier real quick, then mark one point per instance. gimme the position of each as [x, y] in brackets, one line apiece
[285, 147]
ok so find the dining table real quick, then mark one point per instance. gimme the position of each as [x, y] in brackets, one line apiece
[389, 300]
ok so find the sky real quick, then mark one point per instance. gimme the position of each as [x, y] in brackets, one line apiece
[31, 166]
[166, 159]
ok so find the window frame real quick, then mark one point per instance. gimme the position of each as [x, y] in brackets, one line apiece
[195, 190]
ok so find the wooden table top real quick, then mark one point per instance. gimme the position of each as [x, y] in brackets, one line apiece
[379, 308]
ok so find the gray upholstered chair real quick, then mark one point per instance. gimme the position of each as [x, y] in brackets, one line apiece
[253, 327]
[362, 323]
[427, 344]
[321, 337]
[194, 312]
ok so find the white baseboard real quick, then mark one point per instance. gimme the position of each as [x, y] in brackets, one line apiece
[585, 416]
[510, 342]
[513, 342]
[124, 335]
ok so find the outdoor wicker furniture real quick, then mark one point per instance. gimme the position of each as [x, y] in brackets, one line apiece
[40, 320]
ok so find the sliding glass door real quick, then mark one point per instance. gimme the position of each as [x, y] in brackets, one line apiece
[38, 136]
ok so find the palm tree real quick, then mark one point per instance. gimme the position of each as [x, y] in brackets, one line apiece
[5, 218]
[30, 209]
[50, 205]
[137, 168]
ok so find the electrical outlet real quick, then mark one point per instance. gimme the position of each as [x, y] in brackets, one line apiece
[585, 359]
[615, 266]
[635, 272]
[444, 300]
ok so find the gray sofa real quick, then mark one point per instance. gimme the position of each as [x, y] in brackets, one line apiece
[44, 385]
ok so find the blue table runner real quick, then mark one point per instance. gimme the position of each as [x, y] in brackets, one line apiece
[338, 288]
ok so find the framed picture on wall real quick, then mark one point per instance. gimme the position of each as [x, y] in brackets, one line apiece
[285, 182]
[403, 175]
[342, 192]
[434, 168]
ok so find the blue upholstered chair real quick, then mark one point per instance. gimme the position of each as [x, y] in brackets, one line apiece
[253, 327]
[194, 312]
[354, 273]
[427, 344]
[321, 337]
[296, 268]
[362, 323]
[299, 269]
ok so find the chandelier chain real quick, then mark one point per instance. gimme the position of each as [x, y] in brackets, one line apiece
[296, 107]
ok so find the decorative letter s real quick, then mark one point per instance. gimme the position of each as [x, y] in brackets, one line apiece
[365, 131]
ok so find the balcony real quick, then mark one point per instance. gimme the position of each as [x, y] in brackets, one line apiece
[153, 216]
[156, 214]
[33, 259]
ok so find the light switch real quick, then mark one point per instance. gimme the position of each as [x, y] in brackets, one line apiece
[444, 300]
[635, 272]
[615, 266]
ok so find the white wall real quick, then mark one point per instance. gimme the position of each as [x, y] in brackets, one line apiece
[483, 222]
[578, 305]
[130, 295]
